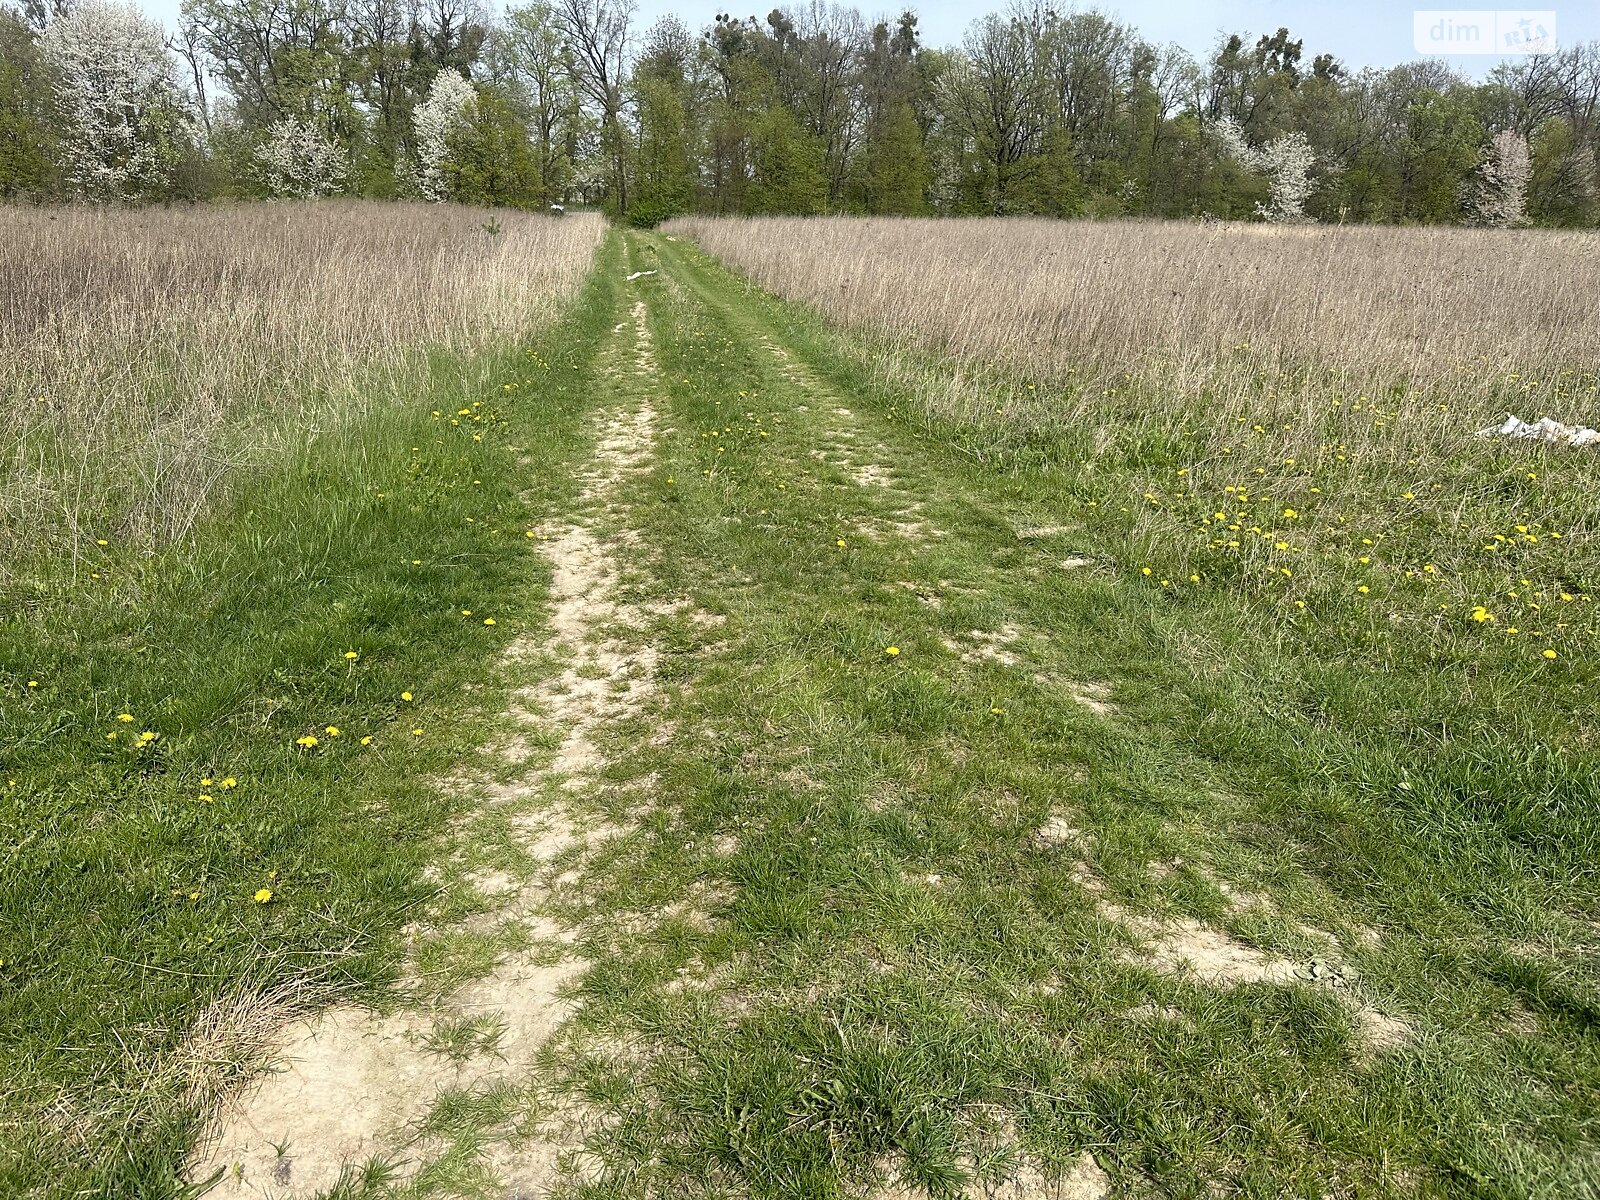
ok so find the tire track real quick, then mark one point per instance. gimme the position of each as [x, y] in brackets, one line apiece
[348, 1085]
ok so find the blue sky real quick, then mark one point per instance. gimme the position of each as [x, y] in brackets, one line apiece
[1360, 32]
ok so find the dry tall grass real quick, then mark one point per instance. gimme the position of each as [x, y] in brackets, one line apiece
[145, 356]
[1285, 412]
[1196, 309]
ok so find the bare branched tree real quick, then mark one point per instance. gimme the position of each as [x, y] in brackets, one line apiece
[596, 34]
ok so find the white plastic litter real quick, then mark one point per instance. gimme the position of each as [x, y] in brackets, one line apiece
[639, 275]
[1545, 429]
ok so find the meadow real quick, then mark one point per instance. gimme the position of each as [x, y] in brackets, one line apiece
[853, 709]
[1283, 412]
[151, 357]
[237, 515]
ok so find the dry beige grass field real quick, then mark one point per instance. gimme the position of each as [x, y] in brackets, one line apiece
[146, 355]
[1196, 310]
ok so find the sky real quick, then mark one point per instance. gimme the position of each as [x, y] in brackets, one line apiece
[1361, 33]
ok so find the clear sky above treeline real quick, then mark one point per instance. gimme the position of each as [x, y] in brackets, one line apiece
[1361, 33]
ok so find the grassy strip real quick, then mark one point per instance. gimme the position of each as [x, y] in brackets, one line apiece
[216, 759]
[877, 954]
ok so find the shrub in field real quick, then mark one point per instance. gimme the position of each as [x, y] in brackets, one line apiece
[1501, 195]
[298, 161]
[1286, 162]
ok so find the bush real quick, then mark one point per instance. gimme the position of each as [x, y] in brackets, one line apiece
[647, 214]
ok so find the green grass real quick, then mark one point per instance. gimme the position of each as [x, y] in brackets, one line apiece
[130, 890]
[893, 972]
[866, 914]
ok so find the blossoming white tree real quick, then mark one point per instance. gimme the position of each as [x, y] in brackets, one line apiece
[1286, 162]
[1501, 196]
[450, 103]
[116, 92]
[298, 160]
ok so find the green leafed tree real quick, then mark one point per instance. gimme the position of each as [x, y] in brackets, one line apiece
[663, 172]
[1438, 148]
[1563, 186]
[489, 158]
[528, 58]
[790, 167]
[895, 167]
[1050, 185]
[27, 134]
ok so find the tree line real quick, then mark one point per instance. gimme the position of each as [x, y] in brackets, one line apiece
[812, 109]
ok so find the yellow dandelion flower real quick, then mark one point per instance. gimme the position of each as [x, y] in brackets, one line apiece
[351, 655]
[125, 718]
[230, 782]
[263, 896]
[416, 733]
[1548, 654]
[308, 741]
[488, 620]
[891, 651]
[406, 696]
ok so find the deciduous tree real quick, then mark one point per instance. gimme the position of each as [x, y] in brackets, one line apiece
[450, 106]
[121, 109]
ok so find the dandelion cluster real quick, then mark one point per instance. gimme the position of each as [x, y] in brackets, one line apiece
[1317, 530]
